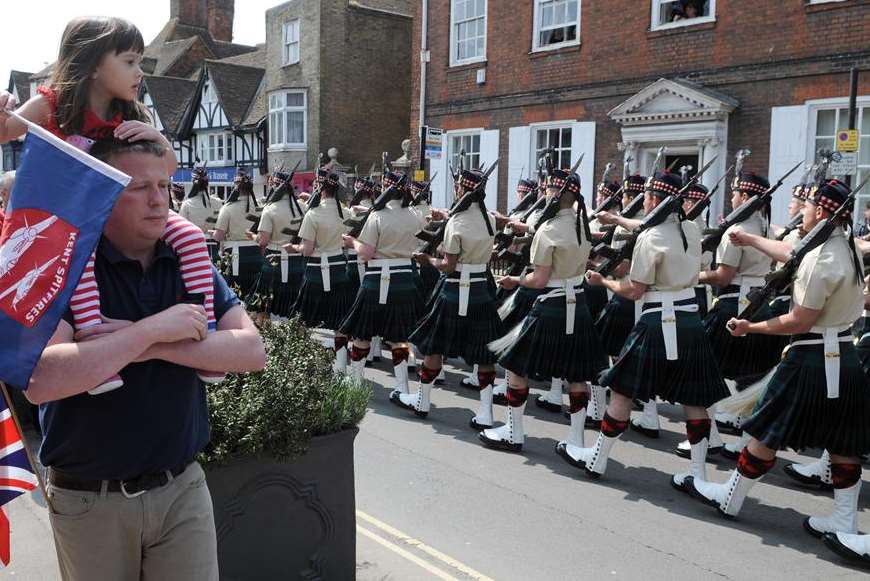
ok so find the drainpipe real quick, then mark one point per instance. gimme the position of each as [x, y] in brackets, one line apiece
[424, 61]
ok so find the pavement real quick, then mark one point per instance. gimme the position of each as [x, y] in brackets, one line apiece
[432, 503]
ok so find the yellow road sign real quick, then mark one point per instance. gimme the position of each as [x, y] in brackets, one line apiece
[847, 140]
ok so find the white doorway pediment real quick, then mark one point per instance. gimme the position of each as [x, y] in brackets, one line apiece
[669, 101]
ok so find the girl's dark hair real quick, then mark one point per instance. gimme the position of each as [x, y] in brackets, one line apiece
[84, 43]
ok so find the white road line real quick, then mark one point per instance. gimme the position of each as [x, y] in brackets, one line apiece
[419, 545]
[405, 554]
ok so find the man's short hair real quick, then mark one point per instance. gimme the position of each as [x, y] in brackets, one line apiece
[7, 181]
[105, 149]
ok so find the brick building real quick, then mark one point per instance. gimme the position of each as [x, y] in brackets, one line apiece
[332, 73]
[623, 77]
[337, 75]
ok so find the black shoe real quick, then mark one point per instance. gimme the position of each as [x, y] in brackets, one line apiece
[680, 487]
[544, 403]
[811, 530]
[832, 542]
[394, 398]
[648, 432]
[472, 423]
[687, 453]
[806, 481]
[499, 444]
[467, 383]
[728, 429]
[562, 450]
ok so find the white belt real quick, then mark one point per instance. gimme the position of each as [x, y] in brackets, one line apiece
[324, 268]
[568, 288]
[831, 343]
[388, 266]
[746, 284]
[866, 313]
[235, 245]
[669, 314]
[465, 280]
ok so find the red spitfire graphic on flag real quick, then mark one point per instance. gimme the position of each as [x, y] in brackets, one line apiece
[35, 252]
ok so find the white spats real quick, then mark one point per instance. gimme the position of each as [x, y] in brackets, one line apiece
[648, 422]
[576, 431]
[511, 435]
[727, 497]
[816, 474]
[597, 403]
[843, 517]
[340, 364]
[357, 369]
[483, 418]
[697, 465]
[401, 373]
[375, 351]
[594, 459]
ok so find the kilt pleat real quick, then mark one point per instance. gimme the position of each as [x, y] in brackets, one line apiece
[741, 358]
[795, 412]
[596, 299]
[430, 276]
[249, 277]
[284, 294]
[519, 305]
[443, 332]
[393, 321]
[862, 344]
[318, 308]
[643, 371]
[615, 323]
[542, 350]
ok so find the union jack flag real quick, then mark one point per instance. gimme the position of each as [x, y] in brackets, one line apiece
[16, 474]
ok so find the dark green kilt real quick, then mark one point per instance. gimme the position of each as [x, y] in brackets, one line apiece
[519, 306]
[393, 321]
[542, 350]
[862, 345]
[321, 309]
[284, 294]
[746, 358]
[795, 411]
[249, 277]
[615, 323]
[353, 270]
[430, 276]
[213, 248]
[701, 298]
[643, 371]
[596, 299]
[443, 332]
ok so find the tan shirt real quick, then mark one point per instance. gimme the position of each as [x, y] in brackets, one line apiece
[193, 211]
[555, 245]
[748, 261]
[391, 231]
[660, 261]
[826, 281]
[324, 226]
[466, 235]
[232, 221]
[275, 217]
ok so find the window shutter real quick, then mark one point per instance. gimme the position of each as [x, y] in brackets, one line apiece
[583, 141]
[788, 145]
[488, 154]
[519, 159]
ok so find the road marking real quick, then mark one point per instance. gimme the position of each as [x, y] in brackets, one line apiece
[405, 554]
[419, 545]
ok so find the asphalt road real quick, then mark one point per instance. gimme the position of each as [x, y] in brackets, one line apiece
[530, 516]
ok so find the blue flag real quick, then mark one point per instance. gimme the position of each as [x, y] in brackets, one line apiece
[61, 200]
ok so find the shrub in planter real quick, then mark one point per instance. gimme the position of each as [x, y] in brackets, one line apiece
[280, 463]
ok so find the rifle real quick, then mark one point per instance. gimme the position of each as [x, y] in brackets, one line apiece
[434, 239]
[423, 196]
[792, 226]
[713, 236]
[552, 207]
[630, 211]
[778, 281]
[669, 205]
[704, 202]
[356, 223]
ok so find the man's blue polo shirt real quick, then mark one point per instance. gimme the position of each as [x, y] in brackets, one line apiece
[159, 419]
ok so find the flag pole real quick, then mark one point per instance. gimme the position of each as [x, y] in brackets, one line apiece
[30, 458]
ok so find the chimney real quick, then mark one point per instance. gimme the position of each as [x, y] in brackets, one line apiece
[220, 19]
[190, 12]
